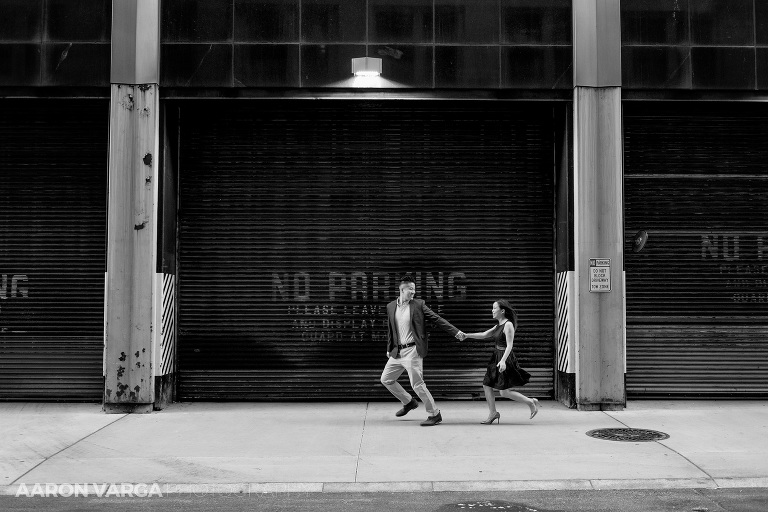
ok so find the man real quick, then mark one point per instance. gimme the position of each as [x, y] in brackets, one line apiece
[407, 348]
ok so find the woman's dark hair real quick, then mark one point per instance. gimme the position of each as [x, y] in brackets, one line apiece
[509, 311]
[407, 279]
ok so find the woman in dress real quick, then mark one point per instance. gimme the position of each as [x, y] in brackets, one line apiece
[503, 370]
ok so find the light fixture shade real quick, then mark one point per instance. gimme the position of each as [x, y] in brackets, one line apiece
[366, 66]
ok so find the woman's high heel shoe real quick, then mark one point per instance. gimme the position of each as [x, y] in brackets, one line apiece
[496, 417]
[535, 408]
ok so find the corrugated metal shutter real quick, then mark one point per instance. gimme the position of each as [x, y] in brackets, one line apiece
[697, 295]
[296, 222]
[53, 182]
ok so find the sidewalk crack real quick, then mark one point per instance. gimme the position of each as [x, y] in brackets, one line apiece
[360, 448]
[672, 450]
[66, 448]
[710, 498]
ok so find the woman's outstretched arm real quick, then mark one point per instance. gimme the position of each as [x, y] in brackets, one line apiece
[479, 335]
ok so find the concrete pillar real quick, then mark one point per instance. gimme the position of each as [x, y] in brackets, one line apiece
[598, 315]
[131, 300]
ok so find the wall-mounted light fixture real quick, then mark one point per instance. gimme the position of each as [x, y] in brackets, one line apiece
[366, 66]
[638, 242]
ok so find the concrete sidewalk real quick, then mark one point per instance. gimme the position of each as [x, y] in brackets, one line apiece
[339, 447]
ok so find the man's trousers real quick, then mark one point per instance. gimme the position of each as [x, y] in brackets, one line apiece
[413, 363]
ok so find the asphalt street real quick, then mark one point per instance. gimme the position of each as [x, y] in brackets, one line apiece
[677, 500]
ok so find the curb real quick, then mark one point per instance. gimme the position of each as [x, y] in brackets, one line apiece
[435, 486]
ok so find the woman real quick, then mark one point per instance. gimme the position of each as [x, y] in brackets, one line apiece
[503, 370]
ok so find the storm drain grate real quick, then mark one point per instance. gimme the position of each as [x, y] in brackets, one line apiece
[627, 434]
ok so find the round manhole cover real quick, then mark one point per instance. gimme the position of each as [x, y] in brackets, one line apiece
[633, 435]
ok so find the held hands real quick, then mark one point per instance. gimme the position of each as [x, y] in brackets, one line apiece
[461, 336]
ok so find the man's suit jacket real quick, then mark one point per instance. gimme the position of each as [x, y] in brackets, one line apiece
[419, 311]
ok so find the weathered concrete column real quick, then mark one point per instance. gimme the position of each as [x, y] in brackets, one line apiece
[131, 300]
[599, 312]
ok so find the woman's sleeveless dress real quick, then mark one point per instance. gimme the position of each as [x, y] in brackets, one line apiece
[513, 375]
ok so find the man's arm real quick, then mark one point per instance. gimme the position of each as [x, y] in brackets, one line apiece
[438, 320]
[390, 336]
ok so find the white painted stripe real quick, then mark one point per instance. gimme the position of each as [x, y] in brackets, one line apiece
[165, 349]
[378, 487]
[655, 483]
[514, 485]
[730, 483]
[563, 323]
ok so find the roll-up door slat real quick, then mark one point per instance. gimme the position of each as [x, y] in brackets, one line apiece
[53, 188]
[297, 221]
[697, 294]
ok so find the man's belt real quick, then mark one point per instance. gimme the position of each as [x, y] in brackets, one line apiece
[406, 345]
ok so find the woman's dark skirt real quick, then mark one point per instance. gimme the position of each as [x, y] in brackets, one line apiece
[513, 376]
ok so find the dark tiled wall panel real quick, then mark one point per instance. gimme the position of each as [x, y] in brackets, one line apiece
[22, 20]
[406, 65]
[761, 22]
[81, 64]
[400, 21]
[654, 22]
[694, 44]
[762, 68]
[474, 67]
[536, 22]
[196, 65]
[55, 42]
[20, 64]
[266, 65]
[722, 22]
[462, 22]
[78, 20]
[266, 22]
[422, 43]
[533, 67]
[328, 64]
[197, 21]
[328, 21]
[475, 44]
[656, 67]
[723, 68]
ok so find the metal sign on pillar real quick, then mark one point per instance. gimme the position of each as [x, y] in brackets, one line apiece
[600, 275]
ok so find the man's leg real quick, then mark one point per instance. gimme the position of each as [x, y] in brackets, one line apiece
[415, 368]
[389, 376]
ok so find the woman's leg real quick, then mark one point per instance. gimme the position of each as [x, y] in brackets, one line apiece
[491, 399]
[519, 397]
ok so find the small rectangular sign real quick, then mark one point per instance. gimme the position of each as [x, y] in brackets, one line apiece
[599, 274]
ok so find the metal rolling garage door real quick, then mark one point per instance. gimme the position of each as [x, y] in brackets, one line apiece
[296, 223]
[53, 183]
[697, 295]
